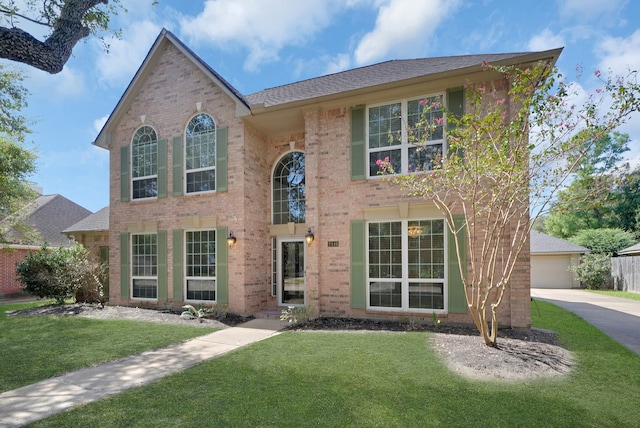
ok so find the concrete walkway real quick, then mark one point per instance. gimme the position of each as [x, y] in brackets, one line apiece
[617, 317]
[48, 397]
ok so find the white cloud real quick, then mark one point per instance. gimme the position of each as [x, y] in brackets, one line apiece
[546, 40]
[118, 66]
[619, 54]
[263, 27]
[589, 9]
[401, 24]
[98, 124]
[69, 83]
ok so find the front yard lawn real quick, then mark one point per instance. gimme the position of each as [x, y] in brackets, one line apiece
[622, 294]
[378, 379]
[40, 347]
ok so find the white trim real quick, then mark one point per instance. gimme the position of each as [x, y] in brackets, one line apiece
[273, 169]
[404, 145]
[405, 280]
[186, 278]
[185, 172]
[279, 241]
[146, 177]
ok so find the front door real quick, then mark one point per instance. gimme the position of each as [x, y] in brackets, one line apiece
[291, 281]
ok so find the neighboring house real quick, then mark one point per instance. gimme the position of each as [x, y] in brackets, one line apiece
[195, 165]
[49, 215]
[93, 233]
[551, 259]
[633, 250]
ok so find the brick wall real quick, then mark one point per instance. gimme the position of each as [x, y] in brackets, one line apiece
[9, 285]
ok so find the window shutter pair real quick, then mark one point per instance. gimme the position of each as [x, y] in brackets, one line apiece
[221, 166]
[358, 272]
[125, 168]
[222, 271]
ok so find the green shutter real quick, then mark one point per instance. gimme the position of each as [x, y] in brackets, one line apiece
[124, 266]
[222, 269]
[358, 149]
[221, 160]
[358, 265]
[125, 185]
[177, 166]
[162, 168]
[163, 279]
[178, 269]
[457, 298]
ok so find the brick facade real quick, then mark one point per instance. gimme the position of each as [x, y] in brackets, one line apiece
[166, 98]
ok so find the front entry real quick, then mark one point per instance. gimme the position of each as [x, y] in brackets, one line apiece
[291, 270]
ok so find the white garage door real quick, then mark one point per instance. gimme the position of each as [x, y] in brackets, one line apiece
[552, 271]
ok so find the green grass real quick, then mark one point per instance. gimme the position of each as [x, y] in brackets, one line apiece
[40, 347]
[378, 379]
[623, 294]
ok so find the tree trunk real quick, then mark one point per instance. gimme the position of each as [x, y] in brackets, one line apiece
[52, 54]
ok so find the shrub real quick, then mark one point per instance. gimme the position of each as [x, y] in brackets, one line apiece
[594, 270]
[57, 273]
[603, 241]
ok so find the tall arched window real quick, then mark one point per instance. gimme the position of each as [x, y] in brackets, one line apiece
[144, 163]
[200, 154]
[289, 189]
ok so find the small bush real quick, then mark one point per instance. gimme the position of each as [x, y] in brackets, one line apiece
[594, 271]
[57, 273]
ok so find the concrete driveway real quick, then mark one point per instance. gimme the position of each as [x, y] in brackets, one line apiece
[618, 318]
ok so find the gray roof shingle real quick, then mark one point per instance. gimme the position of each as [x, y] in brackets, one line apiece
[545, 244]
[370, 76]
[96, 222]
[50, 215]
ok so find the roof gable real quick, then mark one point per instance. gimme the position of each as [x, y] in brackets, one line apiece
[165, 37]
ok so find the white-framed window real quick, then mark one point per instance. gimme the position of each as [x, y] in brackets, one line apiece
[144, 266]
[200, 265]
[393, 129]
[144, 163]
[406, 265]
[288, 189]
[200, 154]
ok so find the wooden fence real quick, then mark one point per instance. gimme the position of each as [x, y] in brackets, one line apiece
[625, 273]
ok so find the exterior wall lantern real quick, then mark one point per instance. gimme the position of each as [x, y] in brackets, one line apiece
[231, 239]
[309, 236]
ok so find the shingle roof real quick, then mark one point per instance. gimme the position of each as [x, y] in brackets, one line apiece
[370, 76]
[50, 215]
[96, 222]
[545, 244]
[632, 250]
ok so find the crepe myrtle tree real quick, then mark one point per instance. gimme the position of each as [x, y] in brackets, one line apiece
[65, 22]
[519, 140]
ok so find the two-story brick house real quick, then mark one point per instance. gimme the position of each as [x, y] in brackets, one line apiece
[273, 199]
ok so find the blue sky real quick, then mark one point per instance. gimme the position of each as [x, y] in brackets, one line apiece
[257, 44]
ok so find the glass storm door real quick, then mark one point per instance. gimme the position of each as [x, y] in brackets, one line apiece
[291, 282]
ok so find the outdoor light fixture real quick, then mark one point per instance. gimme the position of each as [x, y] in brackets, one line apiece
[309, 237]
[231, 239]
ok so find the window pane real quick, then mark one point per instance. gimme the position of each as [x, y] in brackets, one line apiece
[144, 260]
[200, 153]
[392, 156]
[423, 158]
[385, 294]
[199, 289]
[385, 124]
[426, 295]
[144, 153]
[289, 189]
[145, 188]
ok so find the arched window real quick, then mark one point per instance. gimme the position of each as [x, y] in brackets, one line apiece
[289, 189]
[144, 163]
[200, 154]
